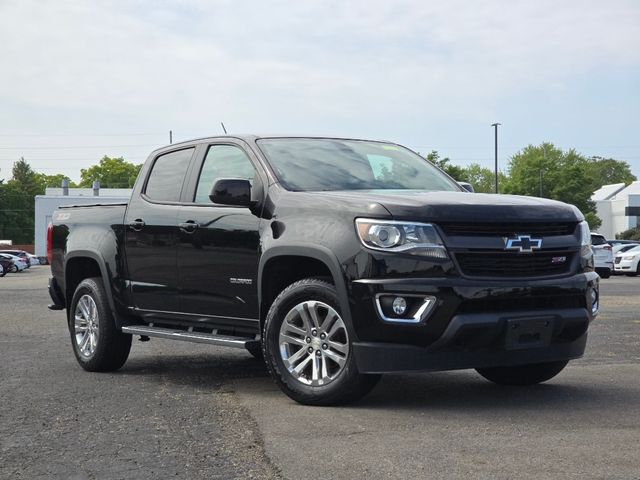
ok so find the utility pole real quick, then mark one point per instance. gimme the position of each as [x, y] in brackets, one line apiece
[170, 136]
[495, 126]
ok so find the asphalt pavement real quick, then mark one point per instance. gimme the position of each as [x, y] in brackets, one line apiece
[180, 410]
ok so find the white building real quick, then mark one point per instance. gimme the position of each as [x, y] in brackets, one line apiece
[54, 197]
[618, 207]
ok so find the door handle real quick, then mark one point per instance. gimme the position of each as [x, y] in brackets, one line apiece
[189, 226]
[137, 224]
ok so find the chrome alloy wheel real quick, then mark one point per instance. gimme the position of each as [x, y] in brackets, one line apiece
[86, 326]
[314, 344]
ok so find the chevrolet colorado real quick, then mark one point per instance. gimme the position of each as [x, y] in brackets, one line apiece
[336, 260]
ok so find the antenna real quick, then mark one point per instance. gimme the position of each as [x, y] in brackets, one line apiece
[223, 129]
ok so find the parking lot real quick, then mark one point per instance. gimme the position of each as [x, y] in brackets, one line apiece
[180, 410]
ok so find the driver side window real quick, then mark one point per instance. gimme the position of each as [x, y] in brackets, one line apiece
[222, 161]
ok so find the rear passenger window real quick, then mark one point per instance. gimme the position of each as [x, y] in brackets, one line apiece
[167, 176]
[222, 161]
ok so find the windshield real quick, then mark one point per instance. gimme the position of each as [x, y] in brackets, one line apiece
[310, 164]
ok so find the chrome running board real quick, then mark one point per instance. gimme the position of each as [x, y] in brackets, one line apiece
[190, 336]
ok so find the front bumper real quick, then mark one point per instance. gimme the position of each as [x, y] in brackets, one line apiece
[626, 266]
[475, 323]
[483, 340]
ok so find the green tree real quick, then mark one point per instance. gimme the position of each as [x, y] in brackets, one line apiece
[17, 203]
[606, 171]
[53, 180]
[482, 178]
[111, 173]
[454, 171]
[550, 172]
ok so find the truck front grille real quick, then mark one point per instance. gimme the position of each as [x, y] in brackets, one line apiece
[511, 264]
[509, 229]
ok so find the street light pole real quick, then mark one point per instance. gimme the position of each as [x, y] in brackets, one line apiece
[495, 126]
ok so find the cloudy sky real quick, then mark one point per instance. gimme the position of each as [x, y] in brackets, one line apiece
[81, 79]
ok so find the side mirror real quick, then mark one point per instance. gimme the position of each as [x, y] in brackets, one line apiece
[467, 186]
[231, 191]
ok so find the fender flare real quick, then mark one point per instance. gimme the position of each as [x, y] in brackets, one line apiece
[104, 273]
[316, 252]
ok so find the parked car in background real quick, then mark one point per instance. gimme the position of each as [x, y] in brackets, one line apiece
[19, 263]
[603, 255]
[19, 253]
[621, 242]
[33, 259]
[622, 247]
[7, 264]
[627, 262]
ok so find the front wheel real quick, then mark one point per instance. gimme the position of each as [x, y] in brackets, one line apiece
[308, 349]
[97, 343]
[523, 375]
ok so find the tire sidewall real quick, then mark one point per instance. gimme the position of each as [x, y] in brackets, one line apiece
[293, 295]
[90, 287]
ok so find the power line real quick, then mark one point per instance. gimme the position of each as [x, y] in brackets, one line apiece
[80, 134]
[77, 146]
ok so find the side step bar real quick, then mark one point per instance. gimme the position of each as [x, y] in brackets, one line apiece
[190, 336]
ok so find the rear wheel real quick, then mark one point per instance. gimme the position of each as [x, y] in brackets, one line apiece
[14, 268]
[308, 349]
[522, 375]
[97, 343]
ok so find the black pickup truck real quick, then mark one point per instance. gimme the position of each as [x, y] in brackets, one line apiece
[336, 260]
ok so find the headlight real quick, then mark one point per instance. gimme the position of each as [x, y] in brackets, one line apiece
[585, 234]
[629, 257]
[405, 237]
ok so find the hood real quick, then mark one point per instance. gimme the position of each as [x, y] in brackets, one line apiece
[447, 207]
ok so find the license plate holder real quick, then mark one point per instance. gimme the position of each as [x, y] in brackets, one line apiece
[523, 333]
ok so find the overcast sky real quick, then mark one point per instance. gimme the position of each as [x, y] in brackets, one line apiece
[81, 79]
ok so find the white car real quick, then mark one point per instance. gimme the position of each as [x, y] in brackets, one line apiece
[602, 255]
[622, 247]
[627, 262]
[33, 259]
[19, 263]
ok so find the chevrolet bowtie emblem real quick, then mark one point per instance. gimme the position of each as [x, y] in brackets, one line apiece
[523, 243]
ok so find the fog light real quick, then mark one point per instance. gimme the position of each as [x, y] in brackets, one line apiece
[399, 306]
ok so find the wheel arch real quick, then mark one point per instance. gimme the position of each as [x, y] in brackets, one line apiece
[299, 261]
[82, 264]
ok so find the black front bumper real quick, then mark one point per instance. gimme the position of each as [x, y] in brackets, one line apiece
[485, 340]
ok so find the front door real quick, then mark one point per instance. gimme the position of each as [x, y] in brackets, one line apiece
[218, 245]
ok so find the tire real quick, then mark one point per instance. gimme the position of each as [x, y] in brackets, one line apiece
[290, 331]
[523, 375]
[98, 345]
[13, 269]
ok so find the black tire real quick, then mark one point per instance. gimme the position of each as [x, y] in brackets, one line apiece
[348, 384]
[111, 345]
[523, 375]
[13, 269]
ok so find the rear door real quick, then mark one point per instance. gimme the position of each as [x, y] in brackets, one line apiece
[218, 244]
[152, 233]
